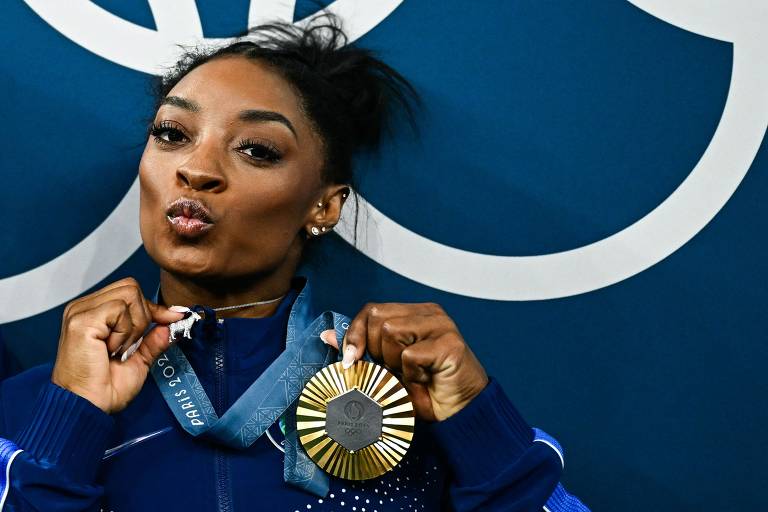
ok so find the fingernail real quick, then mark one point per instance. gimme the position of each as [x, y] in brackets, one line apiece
[328, 338]
[349, 357]
[133, 348]
[180, 309]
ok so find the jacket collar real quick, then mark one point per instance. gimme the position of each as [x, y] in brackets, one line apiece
[302, 311]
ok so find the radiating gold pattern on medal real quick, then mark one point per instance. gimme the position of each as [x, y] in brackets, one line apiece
[397, 422]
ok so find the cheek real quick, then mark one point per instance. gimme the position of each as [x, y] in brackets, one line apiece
[267, 216]
[150, 172]
[149, 194]
[266, 219]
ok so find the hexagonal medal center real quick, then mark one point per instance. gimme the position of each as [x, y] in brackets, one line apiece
[353, 420]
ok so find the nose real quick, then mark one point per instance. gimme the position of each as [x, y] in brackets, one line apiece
[202, 171]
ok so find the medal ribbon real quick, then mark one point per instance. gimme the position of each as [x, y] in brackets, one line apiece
[273, 394]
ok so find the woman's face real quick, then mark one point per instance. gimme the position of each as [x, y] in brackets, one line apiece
[230, 174]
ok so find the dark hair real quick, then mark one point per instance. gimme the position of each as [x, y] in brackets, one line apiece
[347, 93]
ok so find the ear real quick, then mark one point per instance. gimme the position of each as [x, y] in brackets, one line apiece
[326, 211]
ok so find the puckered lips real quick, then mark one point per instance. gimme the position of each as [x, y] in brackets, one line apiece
[189, 217]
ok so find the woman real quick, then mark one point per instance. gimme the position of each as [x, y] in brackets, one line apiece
[248, 160]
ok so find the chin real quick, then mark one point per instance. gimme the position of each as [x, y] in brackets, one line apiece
[189, 261]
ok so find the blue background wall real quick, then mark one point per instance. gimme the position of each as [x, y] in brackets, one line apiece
[547, 125]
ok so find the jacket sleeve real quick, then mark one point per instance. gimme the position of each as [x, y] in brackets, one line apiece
[498, 462]
[52, 463]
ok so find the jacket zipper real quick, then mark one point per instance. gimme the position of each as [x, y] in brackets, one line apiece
[221, 465]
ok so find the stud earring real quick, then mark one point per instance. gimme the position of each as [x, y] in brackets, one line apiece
[319, 204]
[315, 231]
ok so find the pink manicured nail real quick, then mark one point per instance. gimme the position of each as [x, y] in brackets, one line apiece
[180, 309]
[349, 357]
[329, 338]
[133, 348]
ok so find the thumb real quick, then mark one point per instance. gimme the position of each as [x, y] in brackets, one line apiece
[163, 315]
[155, 342]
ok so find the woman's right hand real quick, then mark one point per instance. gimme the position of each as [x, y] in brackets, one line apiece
[100, 324]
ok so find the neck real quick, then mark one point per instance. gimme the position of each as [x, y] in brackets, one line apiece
[185, 291]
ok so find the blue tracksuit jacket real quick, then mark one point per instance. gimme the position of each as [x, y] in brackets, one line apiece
[58, 452]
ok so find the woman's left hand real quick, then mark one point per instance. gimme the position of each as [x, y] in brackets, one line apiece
[421, 344]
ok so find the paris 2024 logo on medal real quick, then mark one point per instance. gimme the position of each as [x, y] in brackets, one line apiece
[673, 222]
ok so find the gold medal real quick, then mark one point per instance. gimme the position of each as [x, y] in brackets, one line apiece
[357, 423]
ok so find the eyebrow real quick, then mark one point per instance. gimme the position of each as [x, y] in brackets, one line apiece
[249, 116]
[180, 102]
[261, 116]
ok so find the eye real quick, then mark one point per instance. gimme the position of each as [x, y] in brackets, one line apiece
[167, 133]
[259, 150]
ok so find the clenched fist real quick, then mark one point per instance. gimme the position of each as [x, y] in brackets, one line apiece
[422, 344]
[108, 322]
